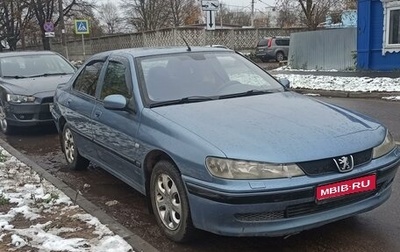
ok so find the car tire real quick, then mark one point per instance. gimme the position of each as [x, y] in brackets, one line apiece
[5, 127]
[280, 56]
[74, 160]
[170, 203]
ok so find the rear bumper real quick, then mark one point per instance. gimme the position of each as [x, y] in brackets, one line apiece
[281, 212]
[265, 55]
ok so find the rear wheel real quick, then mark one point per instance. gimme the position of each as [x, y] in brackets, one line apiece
[170, 203]
[74, 159]
[280, 56]
[5, 127]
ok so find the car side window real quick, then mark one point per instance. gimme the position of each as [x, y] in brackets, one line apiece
[262, 42]
[115, 80]
[87, 80]
[282, 42]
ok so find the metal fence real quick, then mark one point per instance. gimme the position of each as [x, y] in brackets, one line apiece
[242, 39]
[323, 49]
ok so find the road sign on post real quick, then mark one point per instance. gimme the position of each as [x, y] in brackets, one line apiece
[48, 27]
[81, 26]
[210, 25]
[211, 5]
[49, 34]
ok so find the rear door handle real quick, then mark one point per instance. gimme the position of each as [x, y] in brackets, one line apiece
[97, 113]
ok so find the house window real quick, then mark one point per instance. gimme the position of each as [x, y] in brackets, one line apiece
[391, 29]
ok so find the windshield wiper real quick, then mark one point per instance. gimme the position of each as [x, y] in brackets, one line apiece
[248, 93]
[46, 74]
[189, 99]
[15, 76]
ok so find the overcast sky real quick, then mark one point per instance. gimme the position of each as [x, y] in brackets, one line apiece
[259, 5]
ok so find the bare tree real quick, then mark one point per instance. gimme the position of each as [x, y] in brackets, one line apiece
[47, 11]
[146, 15]
[109, 15]
[193, 14]
[313, 12]
[232, 17]
[183, 11]
[288, 13]
[16, 16]
[350, 4]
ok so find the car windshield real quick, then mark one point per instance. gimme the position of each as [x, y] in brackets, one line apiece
[202, 76]
[25, 66]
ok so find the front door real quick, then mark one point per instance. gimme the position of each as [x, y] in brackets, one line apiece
[115, 130]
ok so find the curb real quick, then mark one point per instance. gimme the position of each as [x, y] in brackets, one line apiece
[369, 74]
[345, 94]
[137, 243]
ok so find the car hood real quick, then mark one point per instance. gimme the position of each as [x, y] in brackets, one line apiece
[280, 127]
[33, 86]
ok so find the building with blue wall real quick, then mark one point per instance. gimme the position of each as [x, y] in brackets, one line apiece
[378, 35]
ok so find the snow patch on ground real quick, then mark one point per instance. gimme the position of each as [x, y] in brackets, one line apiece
[35, 215]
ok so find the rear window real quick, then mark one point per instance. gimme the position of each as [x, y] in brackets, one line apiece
[282, 42]
[262, 42]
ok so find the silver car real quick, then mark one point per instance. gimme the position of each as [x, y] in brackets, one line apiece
[273, 48]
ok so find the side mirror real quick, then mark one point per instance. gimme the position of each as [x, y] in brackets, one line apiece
[115, 102]
[285, 82]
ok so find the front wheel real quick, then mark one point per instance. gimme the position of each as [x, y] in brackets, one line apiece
[5, 127]
[74, 159]
[170, 203]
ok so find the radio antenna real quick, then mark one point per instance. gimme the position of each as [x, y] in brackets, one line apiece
[188, 47]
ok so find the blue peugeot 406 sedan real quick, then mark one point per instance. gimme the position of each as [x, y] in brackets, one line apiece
[218, 144]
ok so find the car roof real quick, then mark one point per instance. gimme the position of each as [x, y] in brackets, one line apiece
[150, 51]
[277, 37]
[24, 53]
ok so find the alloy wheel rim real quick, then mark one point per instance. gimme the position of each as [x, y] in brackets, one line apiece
[168, 202]
[69, 146]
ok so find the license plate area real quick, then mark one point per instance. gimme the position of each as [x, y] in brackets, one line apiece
[346, 187]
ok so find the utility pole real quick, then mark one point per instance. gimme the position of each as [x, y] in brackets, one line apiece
[220, 14]
[252, 13]
[62, 24]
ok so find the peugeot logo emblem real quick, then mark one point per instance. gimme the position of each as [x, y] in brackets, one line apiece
[345, 163]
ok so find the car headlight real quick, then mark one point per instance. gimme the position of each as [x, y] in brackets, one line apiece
[19, 98]
[385, 147]
[240, 169]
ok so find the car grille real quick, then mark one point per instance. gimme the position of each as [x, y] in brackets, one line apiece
[306, 208]
[323, 166]
[45, 116]
[24, 116]
[265, 216]
[313, 207]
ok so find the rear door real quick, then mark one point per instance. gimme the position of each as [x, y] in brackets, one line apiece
[80, 105]
[115, 130]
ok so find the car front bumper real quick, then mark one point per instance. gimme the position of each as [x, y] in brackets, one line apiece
[280, 212]
[28, 114]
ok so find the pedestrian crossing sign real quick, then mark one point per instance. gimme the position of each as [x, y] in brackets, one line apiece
[81, 26]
